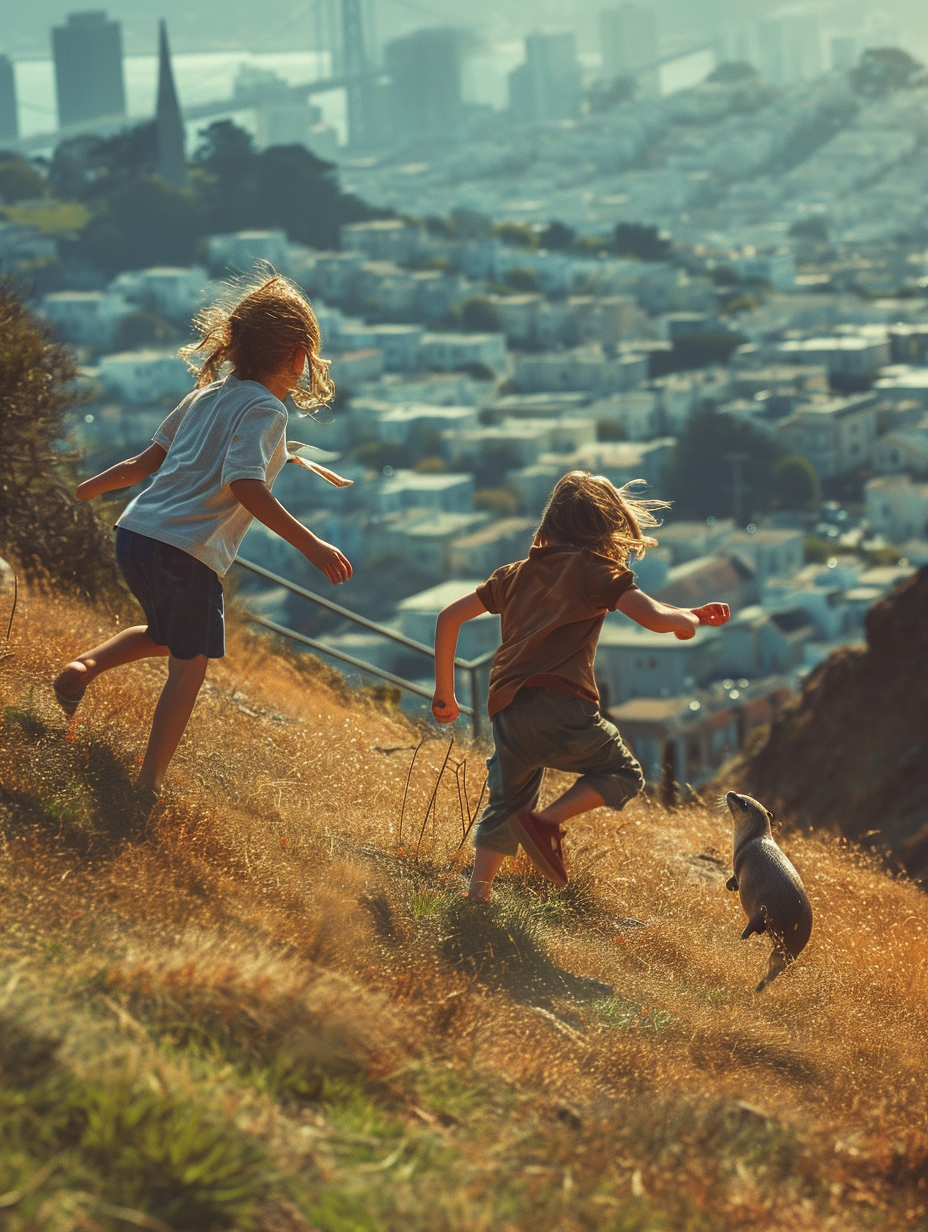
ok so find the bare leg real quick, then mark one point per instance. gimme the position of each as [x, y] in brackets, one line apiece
[124, 647]
[487, 864]
[577, 799]
[171, 715]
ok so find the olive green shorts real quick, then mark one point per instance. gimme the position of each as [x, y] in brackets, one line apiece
[542, 730]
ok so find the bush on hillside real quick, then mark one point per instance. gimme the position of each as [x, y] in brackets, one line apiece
[44, 529]
[701, 475]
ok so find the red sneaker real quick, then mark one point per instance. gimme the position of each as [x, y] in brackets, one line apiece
[542, 843]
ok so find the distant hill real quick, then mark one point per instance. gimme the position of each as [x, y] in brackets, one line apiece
[851, 753]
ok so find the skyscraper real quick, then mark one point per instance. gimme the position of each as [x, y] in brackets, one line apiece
[172, 159]
[789, 47]
[628, 40]
[9, 122]
[425, 84]
[88, 68]
[548, 86]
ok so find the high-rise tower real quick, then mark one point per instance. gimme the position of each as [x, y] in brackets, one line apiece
[172, 159]
[357, 71]
[9, 122]
[88, 68]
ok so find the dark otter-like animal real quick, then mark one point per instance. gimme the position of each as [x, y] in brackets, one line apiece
[772, 894]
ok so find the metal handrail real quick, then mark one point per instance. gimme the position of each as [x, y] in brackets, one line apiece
[409, 642]
[471, 666]
[409, 685]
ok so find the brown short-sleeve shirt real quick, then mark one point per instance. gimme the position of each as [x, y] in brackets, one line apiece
[552, 607]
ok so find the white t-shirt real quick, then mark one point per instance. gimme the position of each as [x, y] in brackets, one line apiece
[229, 430]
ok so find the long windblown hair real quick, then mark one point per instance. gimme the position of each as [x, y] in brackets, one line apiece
[588, 511]
[254, 327]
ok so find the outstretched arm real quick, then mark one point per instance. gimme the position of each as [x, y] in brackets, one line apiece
[444, 704]
[257, 498]
[665, 618]
[123, 474]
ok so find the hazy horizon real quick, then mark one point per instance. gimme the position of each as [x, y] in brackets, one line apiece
[237, 25]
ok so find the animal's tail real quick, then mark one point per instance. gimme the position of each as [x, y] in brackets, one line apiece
[779, 961]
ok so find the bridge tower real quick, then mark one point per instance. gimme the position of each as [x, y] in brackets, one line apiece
[357, 69]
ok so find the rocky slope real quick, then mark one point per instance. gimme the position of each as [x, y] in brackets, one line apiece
[851, 754]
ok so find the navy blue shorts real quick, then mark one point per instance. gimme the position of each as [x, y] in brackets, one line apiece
[180, 596]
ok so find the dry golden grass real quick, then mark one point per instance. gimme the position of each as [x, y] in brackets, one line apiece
[276, 965]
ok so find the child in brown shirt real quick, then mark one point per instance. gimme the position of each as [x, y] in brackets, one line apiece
[543, 699]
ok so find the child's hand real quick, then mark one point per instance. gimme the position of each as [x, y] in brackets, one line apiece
[445, 711]
[712, 613]
[329, 560]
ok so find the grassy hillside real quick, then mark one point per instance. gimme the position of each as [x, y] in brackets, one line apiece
[273, 1011]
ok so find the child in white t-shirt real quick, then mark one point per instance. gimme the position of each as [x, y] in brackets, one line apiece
[214, 460]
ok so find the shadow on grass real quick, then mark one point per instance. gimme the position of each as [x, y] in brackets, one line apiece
[499, 946]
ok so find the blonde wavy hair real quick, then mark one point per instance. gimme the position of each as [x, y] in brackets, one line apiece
[254, 327]
[588, 511]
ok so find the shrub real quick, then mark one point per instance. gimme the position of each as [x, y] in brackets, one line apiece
[43, 527]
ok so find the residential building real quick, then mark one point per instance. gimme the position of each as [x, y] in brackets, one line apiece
[903, 383]
[777, 267]
[633, 662]
[238, 251]
[534, 484]
[623, 461]
[479, 552]
[9, 115]
[419, 613]
[422, 538]
[849, 356]
[583, 368]
[723, 579]
[353, 368]
[400, 345]
[548, 85]
[172, 292]
[145, 376]
[425, 85]
[85, 318]
[897, 508]
[694, 540]
[903, 451]
[87, 52]
[383, 239]
[22, 247]
[450, 492]
[770, 553]
[451, 352]
[837, 435]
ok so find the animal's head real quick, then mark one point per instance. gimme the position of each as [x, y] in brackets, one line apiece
[751, 819]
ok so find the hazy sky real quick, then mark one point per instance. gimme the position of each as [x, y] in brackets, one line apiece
[289, 24]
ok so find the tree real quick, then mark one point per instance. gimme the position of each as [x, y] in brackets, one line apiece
[558, 237]
[144, 222]
[702, 477]
[814, 228]
[604, 95]
[143, 329]
[517, 234]
[19, 180]
[283, 186]
[884, 69]
[696, 351]
[525, 280]
[479, 316]
[635, 239]
[796, 483]
[90, 168]
[44, 529]
[733, 73]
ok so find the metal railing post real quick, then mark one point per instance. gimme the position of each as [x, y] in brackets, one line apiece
[475, 702]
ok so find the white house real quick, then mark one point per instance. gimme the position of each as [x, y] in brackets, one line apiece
[897, 508]
[449, 352]
[175, 293]
[145, 376]
[240, 250]
[836, 435]
[453, 493]
[85, 318]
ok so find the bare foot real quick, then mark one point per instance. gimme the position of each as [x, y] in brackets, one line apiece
[73, 679]
[475, 898]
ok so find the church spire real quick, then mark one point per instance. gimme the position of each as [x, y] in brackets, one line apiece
[172, 162]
